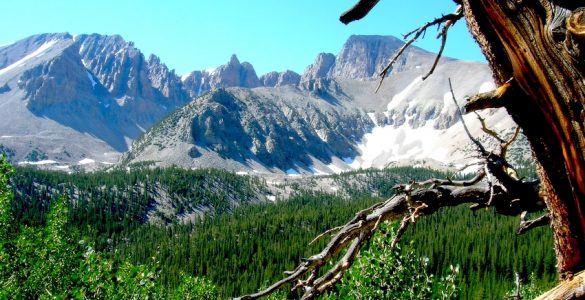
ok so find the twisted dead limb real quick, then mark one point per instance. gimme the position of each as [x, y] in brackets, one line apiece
[433, 194]
[507, 194]
[446, 21]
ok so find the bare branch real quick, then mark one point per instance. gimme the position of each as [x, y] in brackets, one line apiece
[431, 194]
[325, 233]
[526, 225]
[517, 295]
[476, 142]
[401, 230]
[573, 288]
[493, 99]
[447, 21]
[358, 11]
[504, 147]
[488, 131]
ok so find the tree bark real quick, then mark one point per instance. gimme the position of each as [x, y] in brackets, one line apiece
[541, 45]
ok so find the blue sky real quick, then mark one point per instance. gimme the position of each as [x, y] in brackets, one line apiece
[273, 35]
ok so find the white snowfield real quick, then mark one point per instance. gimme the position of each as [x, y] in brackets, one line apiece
[86, 161]
[93, 82]
[38, 163]
[387, 144]
[37, 53]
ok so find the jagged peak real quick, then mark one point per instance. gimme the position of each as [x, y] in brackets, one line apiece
[153, 59]
[386, 38]
[234, 60]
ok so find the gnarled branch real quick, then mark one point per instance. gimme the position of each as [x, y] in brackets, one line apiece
[493, 99]
[526, 225]
[432, 195]
[447, 21]
[358, 11]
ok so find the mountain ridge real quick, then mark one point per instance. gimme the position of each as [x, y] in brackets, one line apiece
[53, 84]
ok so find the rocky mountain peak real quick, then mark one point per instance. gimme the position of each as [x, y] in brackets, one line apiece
[234, 61]
[363, 57]
[234, 74]
[320, 68]
[273, 79]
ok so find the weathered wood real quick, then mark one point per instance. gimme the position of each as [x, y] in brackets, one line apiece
[538, 44]
[573, 288]
[358, 11]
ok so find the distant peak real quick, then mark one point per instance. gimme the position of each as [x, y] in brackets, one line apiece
[234, 60]
[40, 38]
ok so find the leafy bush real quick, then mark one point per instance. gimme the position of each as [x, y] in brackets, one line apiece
[383, 272]
[45, 261]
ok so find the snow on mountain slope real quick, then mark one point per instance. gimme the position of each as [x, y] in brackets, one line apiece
[81, 101]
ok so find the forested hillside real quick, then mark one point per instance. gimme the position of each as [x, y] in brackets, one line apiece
[243, 243]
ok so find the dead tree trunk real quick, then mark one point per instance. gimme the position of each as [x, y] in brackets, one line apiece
[540, 45]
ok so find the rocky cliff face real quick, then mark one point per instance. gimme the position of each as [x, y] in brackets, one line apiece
[270, 128]
[274, 79]
[363, 57]
[72, 101]
[234, 74]
[96, 92]
[321, 68]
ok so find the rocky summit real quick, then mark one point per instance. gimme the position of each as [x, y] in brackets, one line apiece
[92, 101]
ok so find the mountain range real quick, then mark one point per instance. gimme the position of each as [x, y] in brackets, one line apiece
[92, 101]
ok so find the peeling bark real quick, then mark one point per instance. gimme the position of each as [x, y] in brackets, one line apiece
[538, 43]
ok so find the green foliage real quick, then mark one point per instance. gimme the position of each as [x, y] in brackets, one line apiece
[383, 272]
[118, 201]
[8, 152]
[487, 248]
[528, 290]
[5, 199]
[237, 247]
[245, 249]
[45, 262]
[36, 155]
[196, 288]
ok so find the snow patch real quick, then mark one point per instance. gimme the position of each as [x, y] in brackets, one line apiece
[200, 90]
[107, 163]
[486, 87]
[335, 168]
[322, 134]
[400, 97]
[271, 198]
[36, 163]
[141, 128]
[317, 172]
[86, 161]
[386, 144]
[447, 101]
[93, 82]
[373, 118]
[62, 167]
[6, 136]
[241, 173]
[185, 76]
[39, 52]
